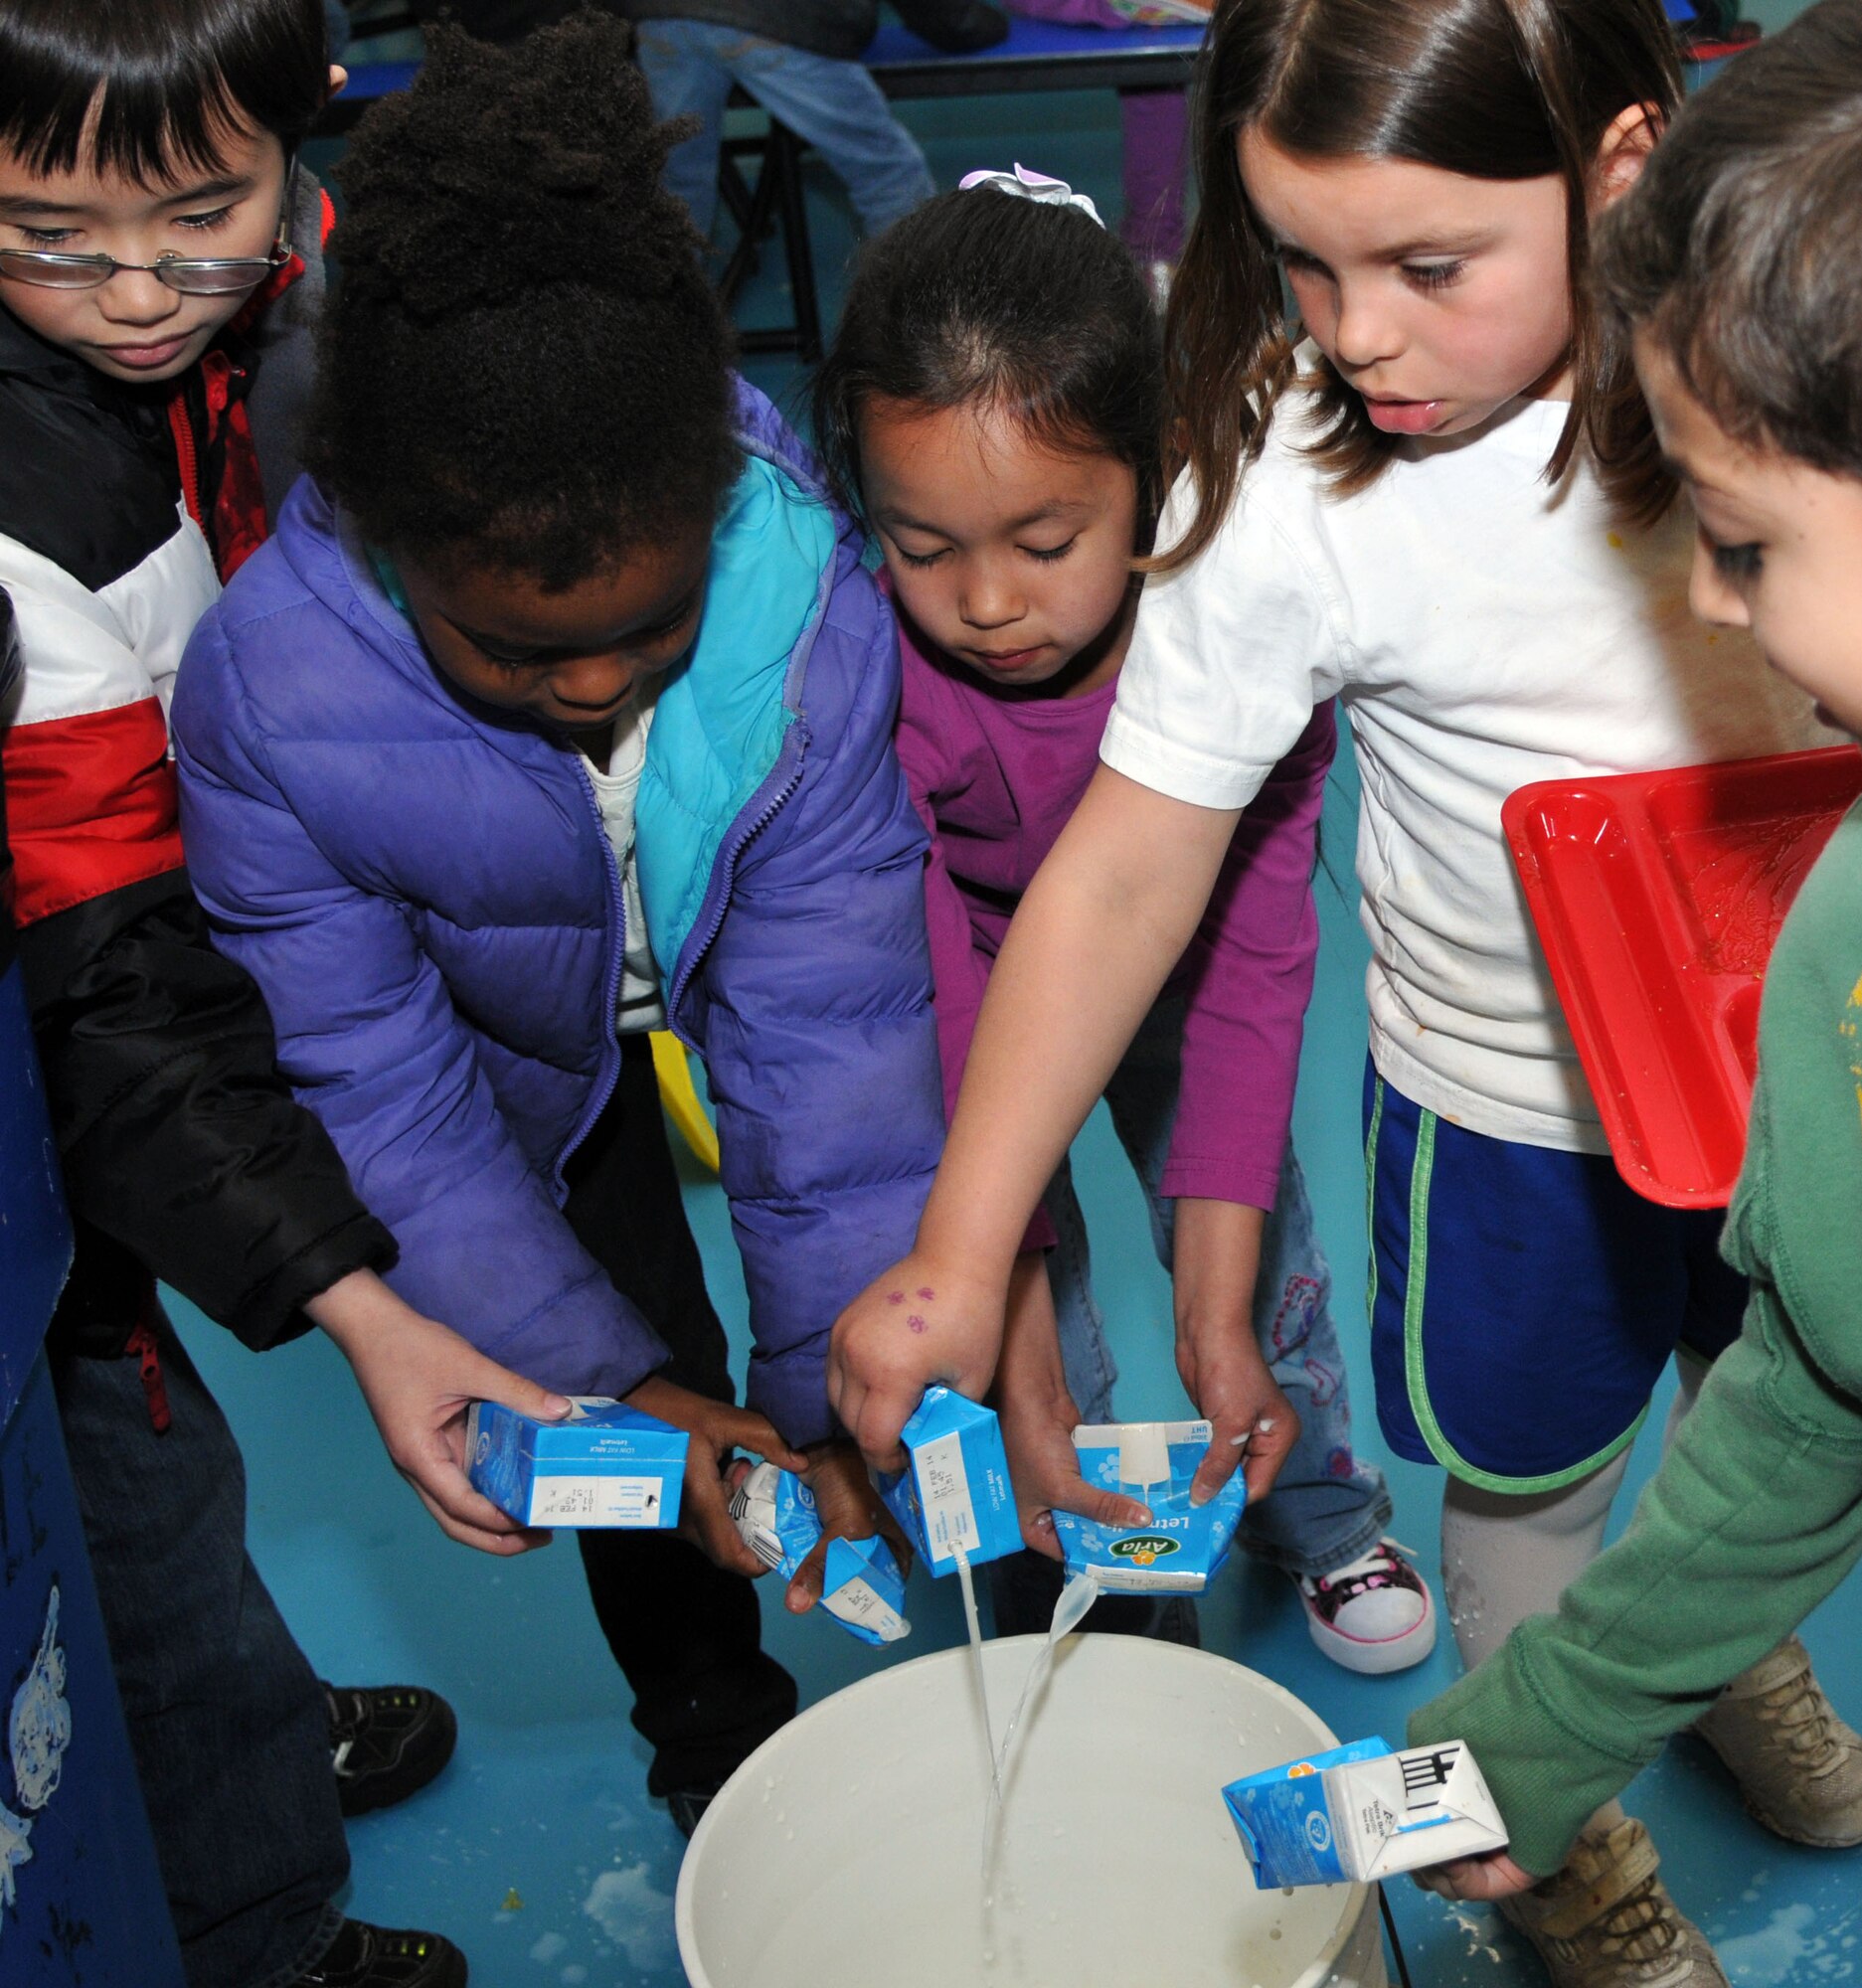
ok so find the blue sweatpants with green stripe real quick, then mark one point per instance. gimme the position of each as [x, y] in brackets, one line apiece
[1524, 1301]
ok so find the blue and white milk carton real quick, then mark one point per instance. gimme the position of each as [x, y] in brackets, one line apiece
[1363, 1812]
[956, 1491]
[863, 1584]
[1153, 1462]
[607, 1464]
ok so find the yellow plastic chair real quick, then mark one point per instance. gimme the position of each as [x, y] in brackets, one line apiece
[680, 1097]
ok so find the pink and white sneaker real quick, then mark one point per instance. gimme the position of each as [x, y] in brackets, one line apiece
[1375, 1615]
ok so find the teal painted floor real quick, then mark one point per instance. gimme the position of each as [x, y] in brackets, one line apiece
[538, 1850]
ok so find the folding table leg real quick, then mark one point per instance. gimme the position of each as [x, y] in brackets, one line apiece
[785, 151]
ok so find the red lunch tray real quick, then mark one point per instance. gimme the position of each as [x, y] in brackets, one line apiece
[1657, 898]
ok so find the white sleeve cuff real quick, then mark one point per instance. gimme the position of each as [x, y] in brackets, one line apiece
[1204, 779]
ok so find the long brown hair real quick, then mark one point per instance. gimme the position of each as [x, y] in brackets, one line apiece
[1498, 89]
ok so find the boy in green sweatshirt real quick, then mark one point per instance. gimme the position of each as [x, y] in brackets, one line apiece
[1737, 265]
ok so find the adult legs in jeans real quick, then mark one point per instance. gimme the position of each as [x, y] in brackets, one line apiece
[1328, 1507]
[835, 106]
[228, 1721]
[686, 1634]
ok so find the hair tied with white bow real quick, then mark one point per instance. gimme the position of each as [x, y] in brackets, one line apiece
[1025, 185]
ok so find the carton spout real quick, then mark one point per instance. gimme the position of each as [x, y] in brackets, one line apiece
[1144, 1454]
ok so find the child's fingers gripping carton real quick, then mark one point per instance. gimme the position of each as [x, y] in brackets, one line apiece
[606, 1465]
[1155, 1464]
[863, 1584]
[954, 1493]
[1363, 1812]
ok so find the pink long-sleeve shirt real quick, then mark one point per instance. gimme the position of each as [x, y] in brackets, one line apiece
[995, 777]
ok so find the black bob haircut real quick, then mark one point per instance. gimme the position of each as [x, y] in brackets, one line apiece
[147, 87]
[524, 369]
[1739, 249]
[1015, 306]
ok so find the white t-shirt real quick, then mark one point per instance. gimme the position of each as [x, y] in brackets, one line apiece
[1482, 631]
[640, 1004]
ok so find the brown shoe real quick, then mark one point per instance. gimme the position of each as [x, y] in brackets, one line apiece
[1797, 1765]
[1605, 1920]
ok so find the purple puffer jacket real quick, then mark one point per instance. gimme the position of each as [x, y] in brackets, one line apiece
[424, 892]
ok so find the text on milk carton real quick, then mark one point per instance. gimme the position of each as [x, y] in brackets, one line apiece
[862, 1586]
[954, 1493]
[1155, 1464]
[606, 1465]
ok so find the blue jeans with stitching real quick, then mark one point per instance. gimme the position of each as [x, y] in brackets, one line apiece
[226, 1719]
[835, 106]
[1327, 1506]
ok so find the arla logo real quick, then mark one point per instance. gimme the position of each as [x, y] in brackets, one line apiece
[1140, 1549]
[484, 1446]
[1320, 1830]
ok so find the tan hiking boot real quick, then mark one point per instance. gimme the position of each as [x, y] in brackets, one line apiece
[1605, 1920]
[1797, 1765]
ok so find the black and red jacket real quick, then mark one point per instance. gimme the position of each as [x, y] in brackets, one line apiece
[122, 509]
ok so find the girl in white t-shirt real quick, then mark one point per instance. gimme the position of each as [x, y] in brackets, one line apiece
[1447, 509]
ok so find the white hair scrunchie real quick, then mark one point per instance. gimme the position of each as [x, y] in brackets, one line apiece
[1025, 185]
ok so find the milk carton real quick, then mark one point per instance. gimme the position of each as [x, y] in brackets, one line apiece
[606, 1465]
[956, 1491]
[1363, 1812]
[863, 1588]
[1153, 1462]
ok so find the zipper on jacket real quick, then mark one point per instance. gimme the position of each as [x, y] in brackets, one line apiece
[718, 896]
[611, 1051]
[187, 459]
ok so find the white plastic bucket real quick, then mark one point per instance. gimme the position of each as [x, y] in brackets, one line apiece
[847, 1851]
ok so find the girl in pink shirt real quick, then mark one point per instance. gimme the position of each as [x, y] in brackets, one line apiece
[991, 407]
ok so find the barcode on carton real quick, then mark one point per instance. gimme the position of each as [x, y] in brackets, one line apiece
[1425, 1775]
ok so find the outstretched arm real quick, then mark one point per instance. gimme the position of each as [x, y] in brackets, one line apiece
[1101, 925]
[1755, 1515]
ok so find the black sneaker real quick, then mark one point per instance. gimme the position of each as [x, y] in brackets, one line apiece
[1024, 1587]
[955, 27]
[366, 1956]
[386, 1740]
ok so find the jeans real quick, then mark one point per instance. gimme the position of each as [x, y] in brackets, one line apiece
[835, 106]
[685, 1633]
[1326, 1507]
[228, 1723]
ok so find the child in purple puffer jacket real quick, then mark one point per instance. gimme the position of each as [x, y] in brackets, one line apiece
[559, 708]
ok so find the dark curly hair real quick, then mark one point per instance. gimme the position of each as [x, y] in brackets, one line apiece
[523, 367]
[985, 297]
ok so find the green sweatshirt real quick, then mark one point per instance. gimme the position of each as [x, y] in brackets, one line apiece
[1756, 1514]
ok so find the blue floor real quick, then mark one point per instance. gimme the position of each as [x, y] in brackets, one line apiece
[539, 1851]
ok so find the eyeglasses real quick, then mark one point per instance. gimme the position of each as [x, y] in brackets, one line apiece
[192, 275]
